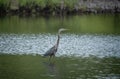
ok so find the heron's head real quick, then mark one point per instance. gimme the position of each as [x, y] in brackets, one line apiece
[62, 29]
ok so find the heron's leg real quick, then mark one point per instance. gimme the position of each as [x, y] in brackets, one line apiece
[50, 57]
[53, 55]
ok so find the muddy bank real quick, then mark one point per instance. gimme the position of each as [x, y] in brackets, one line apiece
[80, 6]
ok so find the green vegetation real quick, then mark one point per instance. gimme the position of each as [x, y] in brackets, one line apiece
[57, 6]
[4, 2]
[41, 3]
[37, 67]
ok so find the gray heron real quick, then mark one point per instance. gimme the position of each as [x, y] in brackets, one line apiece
[52, 51]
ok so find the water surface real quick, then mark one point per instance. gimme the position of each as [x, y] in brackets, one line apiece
[101, 23]
[70, 44]
[35, 67]
[89, 50]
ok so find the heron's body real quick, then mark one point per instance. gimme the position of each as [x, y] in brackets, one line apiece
[52, 51]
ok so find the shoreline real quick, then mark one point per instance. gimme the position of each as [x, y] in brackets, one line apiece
[62, 8]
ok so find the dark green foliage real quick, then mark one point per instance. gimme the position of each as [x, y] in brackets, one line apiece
[59, 6]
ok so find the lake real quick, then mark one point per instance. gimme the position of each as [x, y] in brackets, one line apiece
[101, 23]
[90, 49]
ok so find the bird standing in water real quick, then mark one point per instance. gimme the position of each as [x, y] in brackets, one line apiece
[52, 51]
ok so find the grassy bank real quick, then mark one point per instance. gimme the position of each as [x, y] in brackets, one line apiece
[59, 6]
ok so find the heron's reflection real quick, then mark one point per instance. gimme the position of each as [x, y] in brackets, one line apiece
[52, 70]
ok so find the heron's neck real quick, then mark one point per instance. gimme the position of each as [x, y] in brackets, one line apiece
[58, 40]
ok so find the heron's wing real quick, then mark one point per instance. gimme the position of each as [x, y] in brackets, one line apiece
[51, 51]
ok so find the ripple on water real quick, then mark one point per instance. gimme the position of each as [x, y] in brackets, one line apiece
[70, 44]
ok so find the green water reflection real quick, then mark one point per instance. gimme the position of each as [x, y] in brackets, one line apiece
[101, 23]
[37, 67]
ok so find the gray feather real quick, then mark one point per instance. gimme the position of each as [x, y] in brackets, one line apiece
[51, 51]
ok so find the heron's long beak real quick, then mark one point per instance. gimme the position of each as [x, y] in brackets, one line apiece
[62, 30]
[66, 29]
